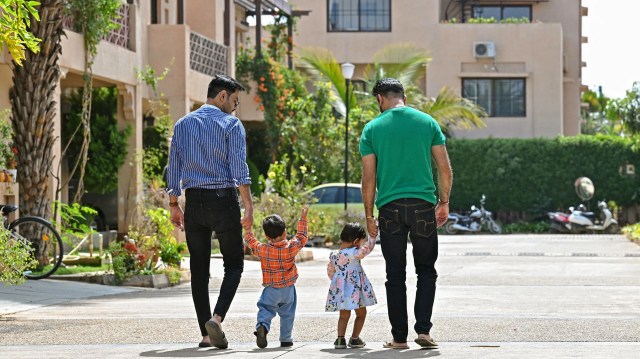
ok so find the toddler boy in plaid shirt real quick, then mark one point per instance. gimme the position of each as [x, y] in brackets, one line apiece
[279, 274]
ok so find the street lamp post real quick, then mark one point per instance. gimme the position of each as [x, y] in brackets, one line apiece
[347, 73]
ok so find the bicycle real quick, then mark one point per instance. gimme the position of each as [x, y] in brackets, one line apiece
[29, 228]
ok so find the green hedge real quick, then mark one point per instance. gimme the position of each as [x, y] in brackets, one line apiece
[537, 175]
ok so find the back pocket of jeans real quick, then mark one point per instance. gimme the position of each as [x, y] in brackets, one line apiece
[425, 222]
[388, 221]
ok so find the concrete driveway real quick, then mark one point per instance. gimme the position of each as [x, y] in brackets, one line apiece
[507, 296]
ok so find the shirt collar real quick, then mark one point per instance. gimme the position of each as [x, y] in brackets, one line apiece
[279, 244]
[206, 105]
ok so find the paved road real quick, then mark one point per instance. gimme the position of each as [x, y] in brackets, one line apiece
[510, 296]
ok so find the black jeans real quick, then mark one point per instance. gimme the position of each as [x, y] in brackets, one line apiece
[206, 211]
[416, 218]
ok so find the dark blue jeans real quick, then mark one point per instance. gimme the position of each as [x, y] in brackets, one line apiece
[416, 219]
[207, 211]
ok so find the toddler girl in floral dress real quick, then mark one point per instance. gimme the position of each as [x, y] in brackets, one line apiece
[350, 288]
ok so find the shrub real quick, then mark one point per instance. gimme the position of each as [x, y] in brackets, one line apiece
[15, 258]
[75, 221]
[537, 175]
[632, 232]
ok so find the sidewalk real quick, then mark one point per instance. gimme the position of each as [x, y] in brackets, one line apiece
[509, 296]
[43, 293]
[315, 350]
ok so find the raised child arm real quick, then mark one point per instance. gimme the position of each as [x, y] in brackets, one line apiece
[301, 235]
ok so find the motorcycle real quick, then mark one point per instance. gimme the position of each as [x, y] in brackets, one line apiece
[475, 221]
[582, 221]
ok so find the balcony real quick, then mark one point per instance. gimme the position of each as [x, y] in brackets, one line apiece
[118, 36]
[455, 11]
[193, 59]
[206, 56]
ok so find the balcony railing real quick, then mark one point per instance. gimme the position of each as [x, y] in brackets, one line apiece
[207, 56]
[118, 36]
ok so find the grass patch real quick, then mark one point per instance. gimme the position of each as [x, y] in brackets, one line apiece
[80, 269]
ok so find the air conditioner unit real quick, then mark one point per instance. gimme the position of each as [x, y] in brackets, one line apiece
[484, 49]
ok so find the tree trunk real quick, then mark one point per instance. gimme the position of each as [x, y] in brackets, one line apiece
[33, 108]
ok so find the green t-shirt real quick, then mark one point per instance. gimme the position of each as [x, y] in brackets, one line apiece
[401, 138]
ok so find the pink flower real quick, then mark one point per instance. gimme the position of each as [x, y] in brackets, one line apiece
[342, 260]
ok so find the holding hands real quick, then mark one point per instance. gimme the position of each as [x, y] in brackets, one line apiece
[372, 226]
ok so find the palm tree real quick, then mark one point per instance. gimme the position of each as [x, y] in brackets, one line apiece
[452, 111]
[405, 62]
[33, 108]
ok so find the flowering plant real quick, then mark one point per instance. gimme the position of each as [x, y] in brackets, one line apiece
[8, 152]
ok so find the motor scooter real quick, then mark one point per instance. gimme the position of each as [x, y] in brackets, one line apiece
[582, 221]
[475, 221]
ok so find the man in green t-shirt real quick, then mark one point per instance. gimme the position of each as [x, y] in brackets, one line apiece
[397, 148]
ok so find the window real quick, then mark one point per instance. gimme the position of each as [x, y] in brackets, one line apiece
[502, 12]
[354, 195]
[498, 97]
[326, 195]
[359, 15]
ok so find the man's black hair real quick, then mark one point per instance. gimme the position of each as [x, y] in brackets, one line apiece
[273, 226]
[388, 87]
[222, 82]
[351, 232]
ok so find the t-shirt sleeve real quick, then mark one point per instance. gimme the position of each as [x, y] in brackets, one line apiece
[366, 147]
[438, 136]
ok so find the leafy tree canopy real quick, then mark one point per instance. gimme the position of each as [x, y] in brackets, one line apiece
[15, 19]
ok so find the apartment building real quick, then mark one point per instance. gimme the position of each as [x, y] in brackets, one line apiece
[196, 39]
[527, 75]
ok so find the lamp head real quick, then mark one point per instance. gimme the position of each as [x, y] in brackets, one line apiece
[347, 70]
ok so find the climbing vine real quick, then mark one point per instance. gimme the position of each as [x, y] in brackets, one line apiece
[276, 84]
[94, 19]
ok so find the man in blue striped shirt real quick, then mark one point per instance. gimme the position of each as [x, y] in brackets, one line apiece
[207, 160]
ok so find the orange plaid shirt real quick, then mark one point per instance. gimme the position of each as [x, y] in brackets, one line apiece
[278, 260]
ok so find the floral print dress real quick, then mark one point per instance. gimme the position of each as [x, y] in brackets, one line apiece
[350, 288]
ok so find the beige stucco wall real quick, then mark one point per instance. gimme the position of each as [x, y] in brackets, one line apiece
[545, 52]
[539, 63]
[568, 13]
[114, 63]
[410, 23]
[198, 14]
[5, 84]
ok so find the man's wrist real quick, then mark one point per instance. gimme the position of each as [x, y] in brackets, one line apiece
[174, 204]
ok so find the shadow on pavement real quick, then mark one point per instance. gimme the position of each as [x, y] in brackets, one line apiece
[389, 353]
[209, 352]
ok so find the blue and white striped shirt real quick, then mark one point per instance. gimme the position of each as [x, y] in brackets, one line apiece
[208, 150]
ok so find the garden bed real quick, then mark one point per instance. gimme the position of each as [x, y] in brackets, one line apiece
[137, 280]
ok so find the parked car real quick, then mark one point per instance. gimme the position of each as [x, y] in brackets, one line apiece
[329, 194]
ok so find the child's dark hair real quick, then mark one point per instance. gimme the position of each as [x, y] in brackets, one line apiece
[351, 232]
[273, 226]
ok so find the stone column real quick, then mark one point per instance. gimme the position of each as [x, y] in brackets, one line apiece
[130, 191]
[59, 169]
[178, 107]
